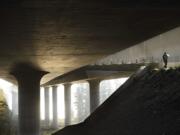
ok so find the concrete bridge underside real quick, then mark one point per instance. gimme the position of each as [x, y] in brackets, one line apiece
[61, 35]
[124, 63]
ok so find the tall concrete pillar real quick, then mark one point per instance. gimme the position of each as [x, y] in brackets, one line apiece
[67, 99]
[55, 111]
[14, 103]
[28, 78]
[46, 102]
[15, 110]
[94, 94]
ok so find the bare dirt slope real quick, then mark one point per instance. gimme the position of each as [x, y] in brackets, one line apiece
[147, 104]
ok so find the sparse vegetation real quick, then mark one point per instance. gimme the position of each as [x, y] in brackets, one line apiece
[6, 123]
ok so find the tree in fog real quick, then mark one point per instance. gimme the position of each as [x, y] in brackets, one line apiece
[83, 99]
[81, 102]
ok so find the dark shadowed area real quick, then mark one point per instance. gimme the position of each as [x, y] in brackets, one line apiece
[61, 35]
[61, 38]
[147, 104]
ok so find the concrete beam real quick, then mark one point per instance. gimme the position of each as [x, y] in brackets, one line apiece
[96, 72]
[150, 51]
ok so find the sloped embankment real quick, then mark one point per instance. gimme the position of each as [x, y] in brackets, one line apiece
[147, 104]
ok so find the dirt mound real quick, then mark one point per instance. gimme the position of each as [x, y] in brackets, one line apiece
[147, 104]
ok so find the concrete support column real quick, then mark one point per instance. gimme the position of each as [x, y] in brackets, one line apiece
[15, 111]
[55, 111]
[67, 99]
[94, 94]
[14, 103]
[46, 102]
[28, 79]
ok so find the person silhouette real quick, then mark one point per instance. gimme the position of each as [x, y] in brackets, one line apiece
[165, 59]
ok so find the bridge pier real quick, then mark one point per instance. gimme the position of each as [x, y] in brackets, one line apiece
[29, 98]
[94, 94]
[55, 111]
[67, 98]
[14, 103]
[46, 97]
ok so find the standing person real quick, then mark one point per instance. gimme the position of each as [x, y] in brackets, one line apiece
[165, 59]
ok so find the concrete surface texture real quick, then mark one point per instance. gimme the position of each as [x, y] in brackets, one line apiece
[61, 35]
[95, 72]
[149, 51]
[147, 104]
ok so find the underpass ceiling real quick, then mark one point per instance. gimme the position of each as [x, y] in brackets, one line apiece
[61, 35]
